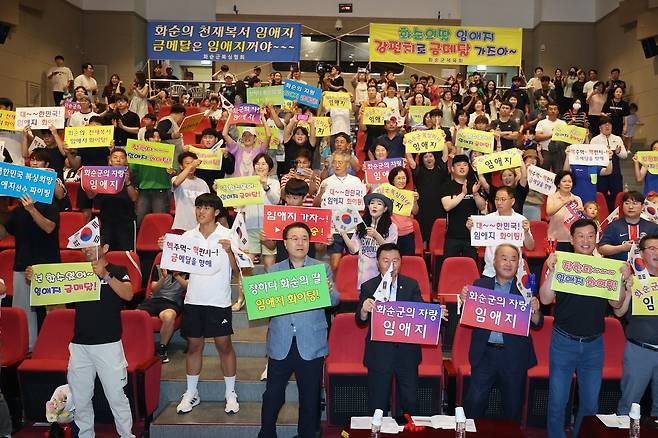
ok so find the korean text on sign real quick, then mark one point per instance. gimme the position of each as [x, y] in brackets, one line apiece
[571, 134]
[494, 230]
[16, 181]
[338, 100]
[289, 291]
[457, 45]
[587, 275]
[489, 310]
[88, 136]
[345, 196]
[61, 283]
[302, 93]
[403, 200]
[150, 153]
[424, 141]
[481, 141]
[405, 321]
[265, 95]
[102, 179]
[39, 118]
[277, 217]
[7, 120]
[189, 255]
[649, 159]
[245, 113]
[71, 107]
[417, 113]
[498, 161]
[223, 41]
[377, 170]
[244, 190]
[211, 159]
[589, 154]
[375, 115]
[645, 297]
[541, 180]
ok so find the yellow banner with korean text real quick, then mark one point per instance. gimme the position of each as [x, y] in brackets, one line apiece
[77, 137]
[211, 159]
[403, 200]
[7, 120]
[418, 142]
[498, 161]
[335, 99]
[571, 134]
[238, 191]
[481, 141]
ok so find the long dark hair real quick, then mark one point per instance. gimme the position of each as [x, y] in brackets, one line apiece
[383, 225]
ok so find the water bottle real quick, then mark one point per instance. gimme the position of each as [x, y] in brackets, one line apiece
[634, 414]
[460, 422]
[376, 429]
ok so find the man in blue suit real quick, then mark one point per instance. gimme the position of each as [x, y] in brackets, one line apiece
[383, 359]
[500, 357]
[296, 343]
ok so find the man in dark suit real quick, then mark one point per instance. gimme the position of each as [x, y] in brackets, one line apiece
[500, 357]
[383, 359]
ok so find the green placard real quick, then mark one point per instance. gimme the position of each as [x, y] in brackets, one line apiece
[289, 291]
[265, 95]
[61, 283]
[587, 275]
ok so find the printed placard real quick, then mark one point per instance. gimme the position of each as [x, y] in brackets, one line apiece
[244, 190]
[589, 155]
[263, 96]
[302, 93]
[211, 159]
[16, 181]
[7, 120]
[429, 140]
[490, 310]
[498, 161]
[571, 134]
[322, 126]
[150, 153]
[342, 197]
[336, 99]
[587, 275]
[645, 297]
[245, 113]
[403, 200]
[77, 137]
[62, 283]
[648, 159]
[39, 117]
[289, 291]
[492, 230]
[277, 217]
[71, 107]
[475, 140]
[406, 321]
[190, 122]
[194, 256]
[375, 115]
[541, 180]
[377, 170]
[573, 213]
[102, 179]
[417, 113]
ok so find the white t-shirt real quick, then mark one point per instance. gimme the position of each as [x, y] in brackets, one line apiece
[588, 88]
[340, 120]
[12, 141]
[184, 197]
[335, 181]
[79, 119]
[215, 289]
[545, 126]
[490, 251]
[84, 81]
[61, 76]
[612, 141]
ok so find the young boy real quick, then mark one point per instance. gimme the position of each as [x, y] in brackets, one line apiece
[209, 138]
[186, 187]
[40, 159]
[148, 122]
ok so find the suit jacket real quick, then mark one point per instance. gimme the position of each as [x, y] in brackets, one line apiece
[519, 351]
[383, 354]
[310, 326]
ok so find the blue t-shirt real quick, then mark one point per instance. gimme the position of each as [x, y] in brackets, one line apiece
[617, 232]
[586, 179]
[394, 147]
[650, 183]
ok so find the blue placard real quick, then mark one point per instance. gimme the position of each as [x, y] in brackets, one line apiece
[15, 181]
[221, 41]
[303, 93]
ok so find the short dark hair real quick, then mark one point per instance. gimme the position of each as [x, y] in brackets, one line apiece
[185, 155]
[435, 112]
[59, 57]
[507, 104]
[87, 64]
[294, 225]
[539, 68]
[150, 116]
[561, 174]
[644, 239]
[296, 187]
[266, 157]
[304, 153]
[5, 101]
[633, 195]
[120, 150]
[123, 97]
[211, 200]
[343, 135]
[394, 172]
[616, 69]
[388, 247]
[633, 105]
[605, 119]
[592, 70]
[177, 109]
[337, 67]
[508, 190]
[516, 79]
[552, 104]
[413, 76]
[209, 131]
[40, 155]
[545, 79]
[302, 129]
[97, 119]
[149, 133]
[582, 223]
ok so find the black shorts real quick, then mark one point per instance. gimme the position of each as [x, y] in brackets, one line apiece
[154, 306]
[206, 321]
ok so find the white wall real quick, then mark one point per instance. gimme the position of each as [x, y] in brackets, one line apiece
[604, 7]
[505, 13]
[581, 11]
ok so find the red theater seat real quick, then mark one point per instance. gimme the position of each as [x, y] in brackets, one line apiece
[414, 267]
[603, 206]
[8, 242]
[13, 336]
[72, 188]
[7, 269]
[614, 342]
[347, 278]
[456, 272]
[130, 261]
[153, 226]
[69, 223]
[435, 246]
[539, 230]
[71, 256]
[418, 240]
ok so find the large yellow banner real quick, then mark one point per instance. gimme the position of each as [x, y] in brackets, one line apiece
[459, 45]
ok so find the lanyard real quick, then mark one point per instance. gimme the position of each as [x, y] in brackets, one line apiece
[633, 232]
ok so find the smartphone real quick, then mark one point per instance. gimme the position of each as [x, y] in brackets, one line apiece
[302, 117]
[300, 171]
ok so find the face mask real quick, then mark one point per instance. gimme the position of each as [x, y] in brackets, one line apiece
[576, 106]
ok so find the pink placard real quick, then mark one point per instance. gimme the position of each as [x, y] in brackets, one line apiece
[405, 321]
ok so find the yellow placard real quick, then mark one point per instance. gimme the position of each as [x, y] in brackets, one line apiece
[571, 134]
[150, 153]
[260, 136]
[403, 200]
[7, 120]
[649, 159]
[481, 141]
[498, 161]
[335, 99]
[88, 136]
[322, 126]
[417, 113]
[238, 191]
[645, 297]
[210, 160]
[61, 283]
[457, 45]
[429, 140]
[375, 115]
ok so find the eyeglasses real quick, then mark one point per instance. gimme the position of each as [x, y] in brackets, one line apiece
[501, 199]
[649, 248]
[298, 239]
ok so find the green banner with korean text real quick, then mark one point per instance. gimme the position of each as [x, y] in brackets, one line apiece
[587, 275]
[61, 283]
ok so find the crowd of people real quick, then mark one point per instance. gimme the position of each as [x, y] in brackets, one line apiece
[300, 169]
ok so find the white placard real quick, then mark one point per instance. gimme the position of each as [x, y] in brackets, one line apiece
[493, 230]
[39, 117]
[342, 197]
[190, 255]
[541, 180]
[589, 154]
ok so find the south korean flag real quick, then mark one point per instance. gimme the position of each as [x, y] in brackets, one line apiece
[87, 236]
[346, 220]
[239, 231]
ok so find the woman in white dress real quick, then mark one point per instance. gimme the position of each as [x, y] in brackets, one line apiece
[140, 91]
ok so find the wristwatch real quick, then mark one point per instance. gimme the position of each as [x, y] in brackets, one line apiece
[267, 188]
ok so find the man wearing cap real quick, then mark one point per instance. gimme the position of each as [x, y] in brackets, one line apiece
[461, 199]
[392, 138]
[614, 183]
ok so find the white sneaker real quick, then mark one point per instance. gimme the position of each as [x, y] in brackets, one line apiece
[232, 406]
[264, 375]
[188, 402]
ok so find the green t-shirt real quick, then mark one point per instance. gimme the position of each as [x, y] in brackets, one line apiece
[150, 178]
